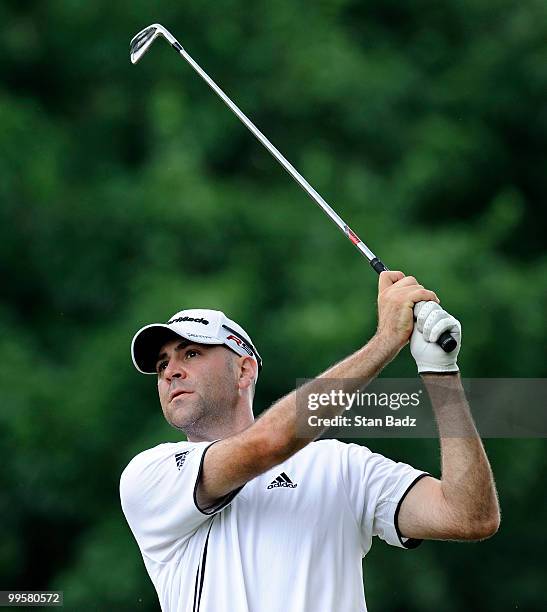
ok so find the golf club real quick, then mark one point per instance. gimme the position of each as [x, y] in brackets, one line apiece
[140, 44]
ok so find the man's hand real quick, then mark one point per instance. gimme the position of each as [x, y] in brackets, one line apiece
[397, 295]
[431, 322]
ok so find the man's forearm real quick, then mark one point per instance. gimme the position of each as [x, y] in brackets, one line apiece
[287, 418]
[467, 481]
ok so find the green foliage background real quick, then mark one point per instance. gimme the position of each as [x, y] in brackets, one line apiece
[128, 192]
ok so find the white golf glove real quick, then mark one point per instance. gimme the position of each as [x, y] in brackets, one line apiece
[431, 322]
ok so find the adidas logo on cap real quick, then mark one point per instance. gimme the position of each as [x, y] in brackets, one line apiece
[282, 481]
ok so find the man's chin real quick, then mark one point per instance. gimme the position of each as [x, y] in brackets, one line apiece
[181, 417]
[180, 423]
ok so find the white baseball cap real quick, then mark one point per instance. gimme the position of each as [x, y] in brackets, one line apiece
[197, 325]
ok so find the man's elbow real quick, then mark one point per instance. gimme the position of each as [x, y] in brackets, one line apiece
[486, 529]
[492, 525]
[483, 528]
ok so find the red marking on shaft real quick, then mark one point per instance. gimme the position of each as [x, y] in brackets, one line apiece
[352, 235]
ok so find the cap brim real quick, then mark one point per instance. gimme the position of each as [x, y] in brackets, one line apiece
[147, 343]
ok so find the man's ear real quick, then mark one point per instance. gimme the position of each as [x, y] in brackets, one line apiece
[247, 372]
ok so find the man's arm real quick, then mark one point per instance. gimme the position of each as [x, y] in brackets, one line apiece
[280, 431]
[462, 505]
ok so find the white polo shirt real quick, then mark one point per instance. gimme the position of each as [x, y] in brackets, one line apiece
[290, 540]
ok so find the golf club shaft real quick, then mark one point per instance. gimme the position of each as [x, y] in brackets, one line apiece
[445, 341]
[342, 225]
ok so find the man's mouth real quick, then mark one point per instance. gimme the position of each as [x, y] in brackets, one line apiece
[178, 393]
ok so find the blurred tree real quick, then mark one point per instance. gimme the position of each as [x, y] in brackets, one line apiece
[127, 193]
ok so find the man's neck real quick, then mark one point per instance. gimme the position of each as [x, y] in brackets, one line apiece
[219, 431]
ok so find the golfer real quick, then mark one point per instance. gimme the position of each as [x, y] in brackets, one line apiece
[253, 515]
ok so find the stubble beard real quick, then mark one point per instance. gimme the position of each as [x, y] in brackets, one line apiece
[202, 417]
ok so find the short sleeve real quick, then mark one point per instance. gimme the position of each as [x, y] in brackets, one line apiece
[376, 487]
[157, 492]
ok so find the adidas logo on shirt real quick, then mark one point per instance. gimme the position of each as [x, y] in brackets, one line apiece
[180, 458]
[282, 481]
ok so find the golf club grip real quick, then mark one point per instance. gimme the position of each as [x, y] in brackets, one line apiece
[446, 341]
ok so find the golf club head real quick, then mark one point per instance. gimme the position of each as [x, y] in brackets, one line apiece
[141, 42]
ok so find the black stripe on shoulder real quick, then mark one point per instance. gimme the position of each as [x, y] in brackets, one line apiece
[221, 503]
[411, 542]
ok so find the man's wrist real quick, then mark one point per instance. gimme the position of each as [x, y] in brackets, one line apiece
[433, 375]
[383, 345]
[442, 380]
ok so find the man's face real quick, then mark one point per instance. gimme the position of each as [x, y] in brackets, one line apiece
[197, 385]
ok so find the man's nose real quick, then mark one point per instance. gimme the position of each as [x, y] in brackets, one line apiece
[175, 369]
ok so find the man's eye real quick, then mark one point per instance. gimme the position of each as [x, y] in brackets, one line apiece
[191, 353]
[161, 366]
